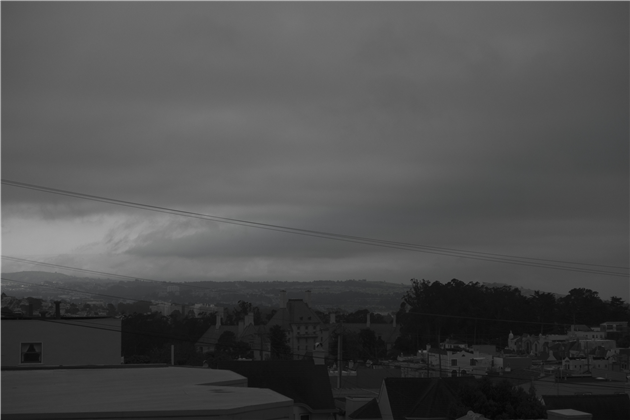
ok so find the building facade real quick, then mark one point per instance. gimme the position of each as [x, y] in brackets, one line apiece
[61, 341]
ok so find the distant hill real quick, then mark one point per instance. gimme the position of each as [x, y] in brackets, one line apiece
[350, 295]
[37, 276]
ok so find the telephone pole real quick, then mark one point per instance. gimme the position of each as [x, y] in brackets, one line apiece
[339, 359]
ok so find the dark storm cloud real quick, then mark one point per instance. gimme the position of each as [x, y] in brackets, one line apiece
[481, 125]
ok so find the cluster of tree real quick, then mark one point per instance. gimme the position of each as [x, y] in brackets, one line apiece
[498, 400]
[361, 345]
[147, 338]
[433, 311]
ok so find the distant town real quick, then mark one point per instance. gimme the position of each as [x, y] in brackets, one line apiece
[354, 341]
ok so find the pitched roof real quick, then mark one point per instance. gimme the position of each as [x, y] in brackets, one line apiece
[417, 397]
[601, 406]
[581, 327]
[300, 380]
[296, 312]
[435, 402]
[212, 335]
[370, 410]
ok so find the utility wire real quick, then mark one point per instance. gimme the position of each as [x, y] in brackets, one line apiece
[254, 349]
[501, 258]
[187, 339]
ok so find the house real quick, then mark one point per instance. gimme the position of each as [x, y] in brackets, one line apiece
[614, 329]
[585, 364]
[588, 333]
[601, 407]
[61, 341]
[246, 331]
[137, 393]
[456, 361]
[303, 327]
[386, 332]
[303, 381]
[580, 340]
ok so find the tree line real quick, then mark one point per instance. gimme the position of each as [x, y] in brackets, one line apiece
[430, 312]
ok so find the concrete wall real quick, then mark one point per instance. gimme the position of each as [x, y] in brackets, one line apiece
[91, 341]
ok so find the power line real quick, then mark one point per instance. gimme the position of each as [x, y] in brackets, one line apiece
[254, 349]
[500, 258]
[186, 339]
[122, 276]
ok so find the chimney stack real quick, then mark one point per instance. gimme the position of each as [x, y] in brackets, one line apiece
[368, 320]
[307, 298]
[218, 321]
[57, 309]
[332, 319]
[283, 299]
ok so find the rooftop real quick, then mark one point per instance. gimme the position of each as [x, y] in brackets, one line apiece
[144, 392]
[302, 381]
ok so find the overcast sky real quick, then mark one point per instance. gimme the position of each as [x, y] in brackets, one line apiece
[490, 127]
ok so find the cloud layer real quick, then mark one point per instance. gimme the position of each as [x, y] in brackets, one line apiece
[492, 127]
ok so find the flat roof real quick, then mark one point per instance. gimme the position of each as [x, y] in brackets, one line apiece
[68, 393]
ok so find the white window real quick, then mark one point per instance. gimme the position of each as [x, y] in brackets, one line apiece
[31, 352]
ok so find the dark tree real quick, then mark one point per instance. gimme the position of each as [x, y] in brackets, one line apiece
[499, 400]
[226, 343]
[278, 341]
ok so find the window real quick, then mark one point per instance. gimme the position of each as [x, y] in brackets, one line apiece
[31, 352]
[453, 362]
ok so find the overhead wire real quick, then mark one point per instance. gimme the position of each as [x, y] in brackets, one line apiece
[483, 256]
[187, 339]
[255, 349]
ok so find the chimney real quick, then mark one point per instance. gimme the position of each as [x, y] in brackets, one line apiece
[368, 320]
[394, 322]
[30, 310]
[218, 321]
[57, 309]
[332, 319]
[283, 299]
[241, 327]
[307, 298]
